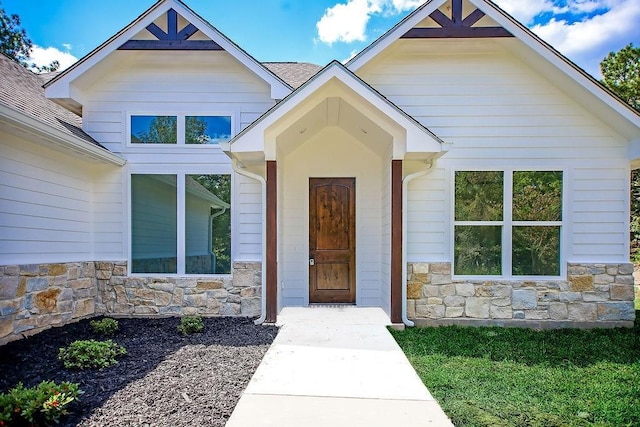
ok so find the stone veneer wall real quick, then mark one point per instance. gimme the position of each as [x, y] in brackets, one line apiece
[38, 296]
[236, 295]
[594, 295]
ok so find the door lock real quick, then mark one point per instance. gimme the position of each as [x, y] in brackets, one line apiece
[312, 261]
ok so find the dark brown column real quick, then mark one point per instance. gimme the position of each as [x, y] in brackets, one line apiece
[272, 241]
[396, 241]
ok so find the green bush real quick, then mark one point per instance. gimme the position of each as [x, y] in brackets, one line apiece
[191, 325]
[90, 354]
[106, 326]
[41, 405]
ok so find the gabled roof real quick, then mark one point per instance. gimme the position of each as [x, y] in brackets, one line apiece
[59, 87]
[22, 103]
[420, 138]
[534, 44]
[294, 73]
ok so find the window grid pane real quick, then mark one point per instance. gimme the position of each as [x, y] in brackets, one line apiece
[208, 224]
[479, 196]
[537, 196]
[207, 129]
[154, 129]
[536, 251]
[153, 224]
[478, 250]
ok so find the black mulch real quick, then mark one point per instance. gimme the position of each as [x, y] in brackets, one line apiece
[166, 379]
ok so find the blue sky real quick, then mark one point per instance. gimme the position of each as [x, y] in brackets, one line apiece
[321, 30]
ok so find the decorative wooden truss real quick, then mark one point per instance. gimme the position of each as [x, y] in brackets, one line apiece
[456, 26]
[172, 39]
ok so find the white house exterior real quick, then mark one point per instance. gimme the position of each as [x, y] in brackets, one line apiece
[409, 179]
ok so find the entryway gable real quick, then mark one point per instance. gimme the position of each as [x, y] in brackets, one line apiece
[335, 91]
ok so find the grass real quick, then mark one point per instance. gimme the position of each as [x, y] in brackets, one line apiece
[521, 377]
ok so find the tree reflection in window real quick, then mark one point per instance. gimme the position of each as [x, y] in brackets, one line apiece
[207, 129]
[154, 129]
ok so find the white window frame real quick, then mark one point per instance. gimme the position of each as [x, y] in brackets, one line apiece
[180, 128]
[507, 224]
[180, 173]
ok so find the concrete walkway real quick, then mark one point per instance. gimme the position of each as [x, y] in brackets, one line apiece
[335, 367]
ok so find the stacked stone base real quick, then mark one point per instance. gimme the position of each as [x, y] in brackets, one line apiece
[594, 295]
[36, 297]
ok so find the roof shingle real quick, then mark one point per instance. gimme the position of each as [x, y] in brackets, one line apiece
[293, 73]
[21, 90]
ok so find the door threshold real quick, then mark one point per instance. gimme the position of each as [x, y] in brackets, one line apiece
[332, 304]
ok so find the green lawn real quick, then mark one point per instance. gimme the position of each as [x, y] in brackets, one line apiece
[521, 377]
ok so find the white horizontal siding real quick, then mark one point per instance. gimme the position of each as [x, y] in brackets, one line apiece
[172, 83]
[45, 204]
[500, 114]
[248, 202]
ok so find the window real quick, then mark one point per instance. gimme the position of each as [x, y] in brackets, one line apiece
[507, 223]
[154, 129]
[207, 129]
[157, 226]
[180, 129]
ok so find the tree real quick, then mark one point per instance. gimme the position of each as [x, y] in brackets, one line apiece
[15, 43]
[621, 72]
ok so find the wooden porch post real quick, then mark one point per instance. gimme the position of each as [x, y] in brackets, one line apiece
[396, 241]
[272, 242]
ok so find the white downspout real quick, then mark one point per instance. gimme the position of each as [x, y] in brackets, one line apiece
[405, 198]
[263, 183]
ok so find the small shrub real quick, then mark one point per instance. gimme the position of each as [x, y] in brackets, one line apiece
[41, 405]
[90, 354]
[191, 325]
[106, 326]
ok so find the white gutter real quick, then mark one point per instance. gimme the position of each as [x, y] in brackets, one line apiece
[263, 183]
[46, 132]
[405, 198]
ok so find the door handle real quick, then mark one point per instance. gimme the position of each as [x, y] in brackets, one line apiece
[312, 261]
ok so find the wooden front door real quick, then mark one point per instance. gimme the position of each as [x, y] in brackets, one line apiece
[332, 233]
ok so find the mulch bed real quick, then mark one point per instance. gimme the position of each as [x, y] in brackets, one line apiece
[166, 379]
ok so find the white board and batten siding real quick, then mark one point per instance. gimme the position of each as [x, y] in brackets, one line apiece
[191, 84]
[500, 115]
[46, 212]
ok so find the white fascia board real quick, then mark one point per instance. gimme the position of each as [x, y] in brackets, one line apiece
[393, 34]
[563, 64]
[42, 130]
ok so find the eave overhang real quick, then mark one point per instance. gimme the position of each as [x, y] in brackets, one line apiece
[36, 131]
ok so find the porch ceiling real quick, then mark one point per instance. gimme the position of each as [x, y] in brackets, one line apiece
[334, 111]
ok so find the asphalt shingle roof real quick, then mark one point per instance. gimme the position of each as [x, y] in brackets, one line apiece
[293, 73]
[22, 90]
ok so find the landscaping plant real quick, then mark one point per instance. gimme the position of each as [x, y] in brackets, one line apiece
[190, 325]
[106, 326]
[41, 405]
[88, 354]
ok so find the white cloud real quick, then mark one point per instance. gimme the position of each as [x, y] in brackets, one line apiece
[347, 22]
[525, 10]
[588, 41]
[41, 56]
